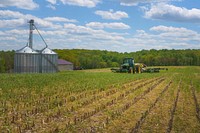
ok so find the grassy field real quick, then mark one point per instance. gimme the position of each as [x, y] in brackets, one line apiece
[101, 101]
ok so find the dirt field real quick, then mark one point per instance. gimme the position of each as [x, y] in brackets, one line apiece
[162, 102]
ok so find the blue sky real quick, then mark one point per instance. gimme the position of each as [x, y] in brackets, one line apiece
[114, 25]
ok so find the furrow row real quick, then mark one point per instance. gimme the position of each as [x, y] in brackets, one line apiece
[170, 124]
[146, 113]
[102, 119]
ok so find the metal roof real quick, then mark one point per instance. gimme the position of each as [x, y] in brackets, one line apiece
[64, 62]
[26, 49]
[48, 51]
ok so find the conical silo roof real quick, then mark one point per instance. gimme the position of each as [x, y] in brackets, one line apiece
[26, 49]
[48, 51]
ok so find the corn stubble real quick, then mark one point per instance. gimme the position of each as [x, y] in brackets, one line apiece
[101, 102]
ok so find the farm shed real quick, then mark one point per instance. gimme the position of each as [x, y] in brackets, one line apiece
[64, 65]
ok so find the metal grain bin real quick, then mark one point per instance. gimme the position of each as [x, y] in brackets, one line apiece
[49, 61]
[26, 60]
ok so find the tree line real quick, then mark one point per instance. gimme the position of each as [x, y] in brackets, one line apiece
[6, 61]
[89, 59]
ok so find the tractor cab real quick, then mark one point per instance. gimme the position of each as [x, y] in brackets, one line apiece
[127, 65]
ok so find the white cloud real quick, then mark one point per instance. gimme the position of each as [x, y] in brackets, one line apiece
[115, 25]
[84, 3]
[17, 32]
[69, 25]
[59, 19]
[77, 36]
[66, 35]
[8, 39]
[23, 4]
[10, 14]
[176, 34]
[12, 19]
[51, 6]
[59, 33]
[2, 33]
[112, 15]
[136, 2]
[11, 23]
[162, 28]
[163, 11]
[52, 1]
[163, 37]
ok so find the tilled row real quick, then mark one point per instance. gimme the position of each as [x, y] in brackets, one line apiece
[146, 113]
[196, 102]
[79, 116]
[125, 121]
[38, 119]
[16, 114]
[185, 117]
[170, 124]
[118, 98]
[101, 120]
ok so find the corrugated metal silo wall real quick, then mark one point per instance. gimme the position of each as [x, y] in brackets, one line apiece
[26, 63]
[49, 63]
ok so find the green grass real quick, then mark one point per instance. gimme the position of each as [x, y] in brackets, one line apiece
[87, 80]
[69, 81]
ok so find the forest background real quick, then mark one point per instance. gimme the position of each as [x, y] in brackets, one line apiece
[90, 59]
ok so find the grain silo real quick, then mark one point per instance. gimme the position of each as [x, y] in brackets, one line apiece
[28, 60]
[48, 61]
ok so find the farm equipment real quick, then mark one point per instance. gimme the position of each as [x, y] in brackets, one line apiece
[128, 66]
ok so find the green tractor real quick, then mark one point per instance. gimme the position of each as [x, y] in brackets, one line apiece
[129, 66]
